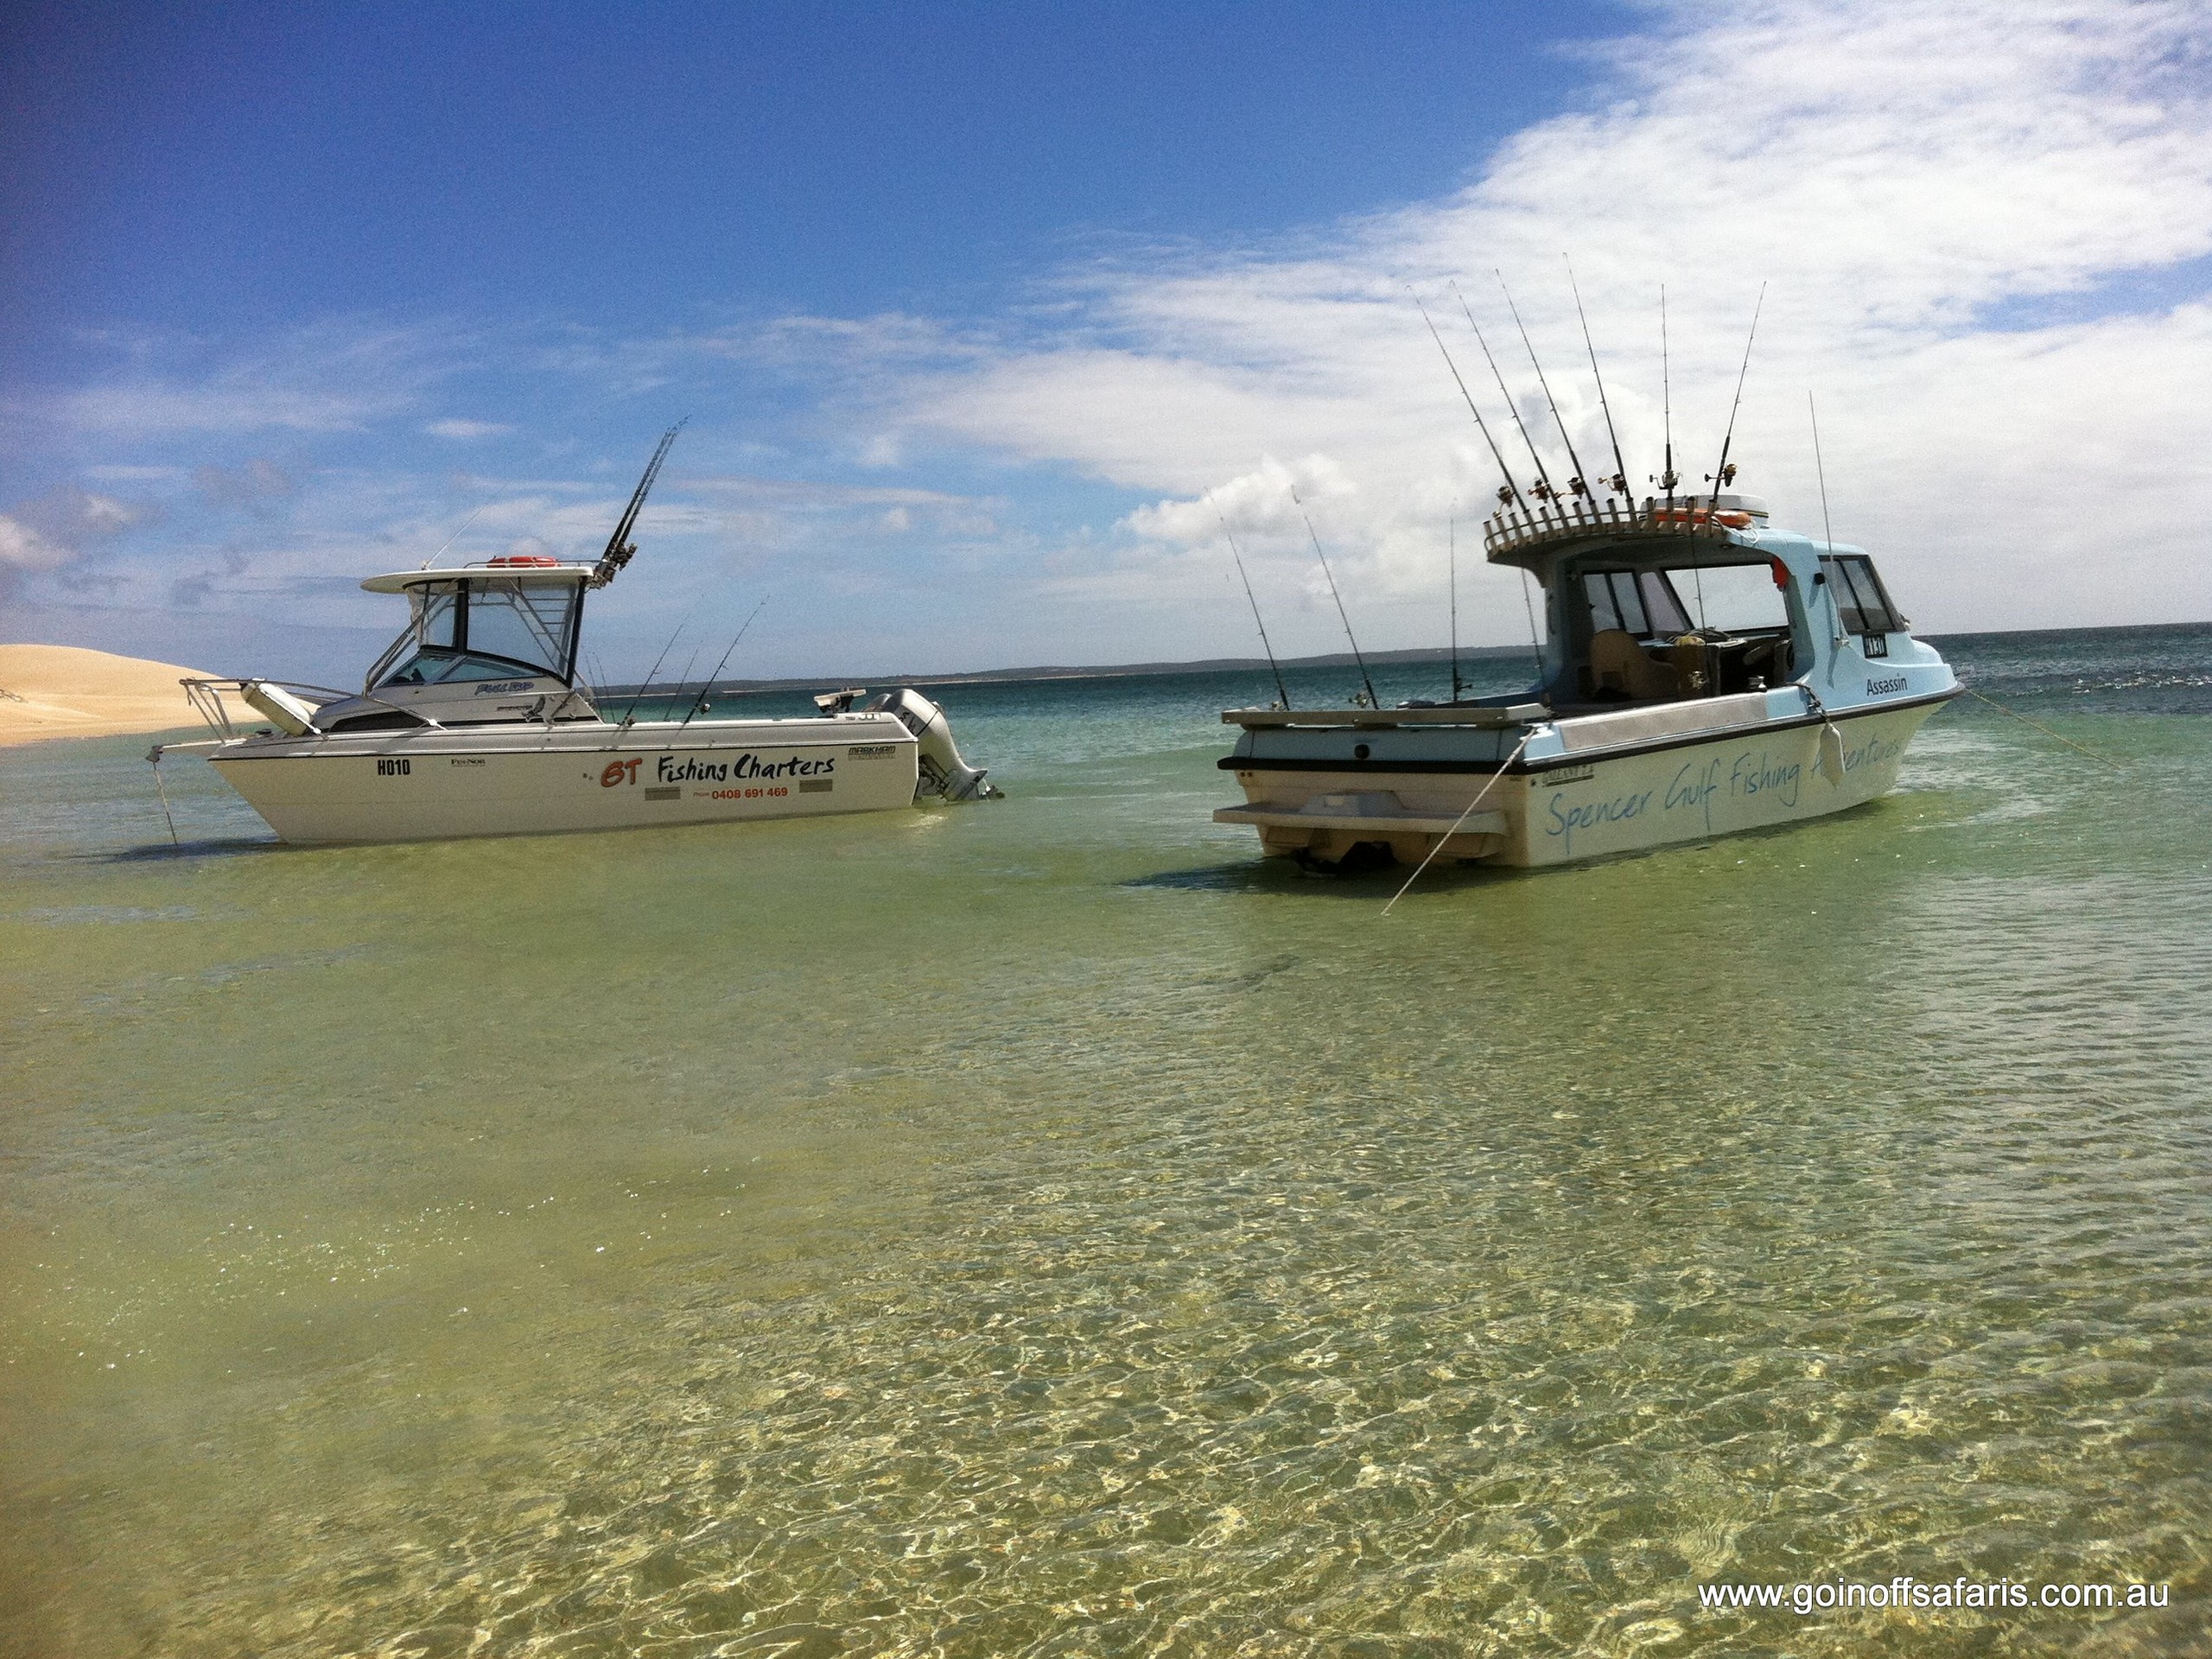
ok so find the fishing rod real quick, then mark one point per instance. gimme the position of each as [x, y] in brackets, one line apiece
[1575, 485]
[699, 701]
[1265, 644]
[1667, 480]
[1544, 479]
[650, 672]
[620, 551]
[1619, 480]
[1510, 496]
[1452, 579]
[1535, 645]
[1373, 701]
[1723, 475]
[684, 679]
[1827, 527]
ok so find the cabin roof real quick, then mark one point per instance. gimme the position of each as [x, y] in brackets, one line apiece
[552, 573]
[1712, 528]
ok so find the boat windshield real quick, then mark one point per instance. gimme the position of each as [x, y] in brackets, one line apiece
[1636, 602]
[1733, 598]
[482, 628]
[1686, 630]
[1862, 604]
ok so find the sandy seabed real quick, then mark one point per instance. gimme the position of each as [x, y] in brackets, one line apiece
[67, 691]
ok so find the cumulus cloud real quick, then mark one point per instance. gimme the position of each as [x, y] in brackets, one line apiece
[49, 531]
[23, 547]
[1977, 225]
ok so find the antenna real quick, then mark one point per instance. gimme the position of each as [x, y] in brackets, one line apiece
[1723, 475]
[1273, 667]
[1512, 493]
[455, 537]
[1575, 485]
[1452, 555]
[699, 700]
[1373, 701]
[618, 551]
[1543, 478]
[1827, 528]
[1619, 480]
[1667, 480]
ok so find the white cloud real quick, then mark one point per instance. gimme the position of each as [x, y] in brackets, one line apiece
[23, 547]
[1923, 190]
[463, 430]
[336, 376]
[50, 530]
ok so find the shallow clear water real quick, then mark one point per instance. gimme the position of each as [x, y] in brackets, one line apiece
[1043, 1228]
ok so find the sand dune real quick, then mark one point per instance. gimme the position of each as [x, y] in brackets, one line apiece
[63, 691]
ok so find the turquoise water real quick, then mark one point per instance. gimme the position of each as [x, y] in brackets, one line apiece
[1042, 1227]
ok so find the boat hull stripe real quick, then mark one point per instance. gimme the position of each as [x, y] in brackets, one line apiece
[1580, 757]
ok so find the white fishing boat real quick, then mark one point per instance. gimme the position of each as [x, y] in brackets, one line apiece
[1703, 673]
[474, 722]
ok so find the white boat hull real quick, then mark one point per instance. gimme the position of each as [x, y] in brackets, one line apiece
[1586, 806]
[433, 784]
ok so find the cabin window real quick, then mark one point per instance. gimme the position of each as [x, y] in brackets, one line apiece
[1660, 605]
[435, 667]
[437, 614]
[505, 630]
[524, 623]
[1614, 602]
[1862, 604]
[1733, 598]
[1636, 602]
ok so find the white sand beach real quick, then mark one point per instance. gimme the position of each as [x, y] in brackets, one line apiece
[65, 691]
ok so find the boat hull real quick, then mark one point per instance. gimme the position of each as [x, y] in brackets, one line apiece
[1590, 804]
[447, 784]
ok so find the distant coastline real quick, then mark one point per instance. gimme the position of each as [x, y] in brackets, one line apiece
[1101, 671]
[1435, 654]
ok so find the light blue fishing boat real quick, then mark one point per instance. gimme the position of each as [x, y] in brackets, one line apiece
[1702, 673]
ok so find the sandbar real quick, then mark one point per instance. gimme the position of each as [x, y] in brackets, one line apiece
[65, 691]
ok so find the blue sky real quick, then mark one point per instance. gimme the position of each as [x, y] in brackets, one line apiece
[208, 169]
[980, 312]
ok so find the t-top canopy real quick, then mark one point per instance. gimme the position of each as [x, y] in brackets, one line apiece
[532, 572]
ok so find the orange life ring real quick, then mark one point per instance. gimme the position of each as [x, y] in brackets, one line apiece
[1729, 517]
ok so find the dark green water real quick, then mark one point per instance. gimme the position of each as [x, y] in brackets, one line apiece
[1042, 1228]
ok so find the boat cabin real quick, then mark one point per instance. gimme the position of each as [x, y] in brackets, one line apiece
[483, 642]
[1686, 600]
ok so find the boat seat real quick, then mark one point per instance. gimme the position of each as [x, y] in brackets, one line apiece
[1618, 664]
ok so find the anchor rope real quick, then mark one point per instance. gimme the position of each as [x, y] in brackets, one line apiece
[1480, 795]
[161, 790]
[2100, 759]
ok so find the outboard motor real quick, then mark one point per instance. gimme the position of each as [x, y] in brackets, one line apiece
[943, 772]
